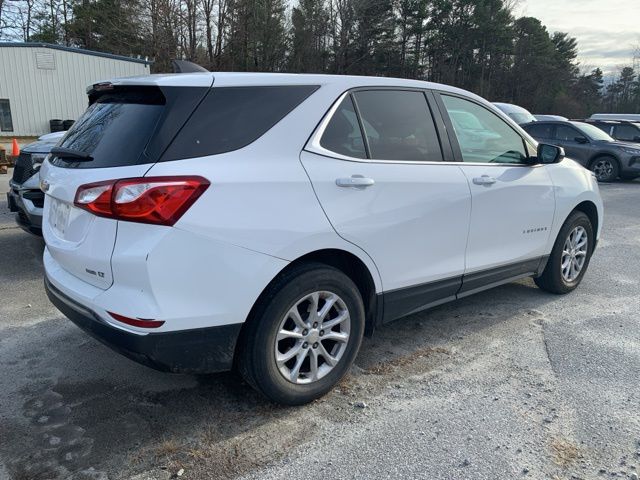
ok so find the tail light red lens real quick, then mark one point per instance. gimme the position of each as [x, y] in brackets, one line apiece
[155, 200]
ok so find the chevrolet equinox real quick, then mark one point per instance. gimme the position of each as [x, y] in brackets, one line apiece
[266, 222]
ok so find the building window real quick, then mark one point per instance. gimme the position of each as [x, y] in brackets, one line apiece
[6, 123]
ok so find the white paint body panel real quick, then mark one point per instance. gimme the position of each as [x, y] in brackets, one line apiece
[507, 215]
[271, 203]
[413, 221]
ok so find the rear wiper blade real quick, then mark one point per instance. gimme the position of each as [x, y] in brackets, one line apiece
[70, 153]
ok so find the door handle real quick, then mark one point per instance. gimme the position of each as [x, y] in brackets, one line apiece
[484, 180]
[357, 181]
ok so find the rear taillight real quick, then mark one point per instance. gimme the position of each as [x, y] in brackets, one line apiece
[155, 200]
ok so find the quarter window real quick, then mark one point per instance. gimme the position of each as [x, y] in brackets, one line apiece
[398, 125]
[6, 122]
[230, 118]
[483, 136]
[343, 134]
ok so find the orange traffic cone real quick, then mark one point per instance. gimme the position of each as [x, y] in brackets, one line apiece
[16, 148]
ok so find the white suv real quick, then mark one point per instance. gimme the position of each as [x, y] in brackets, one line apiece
[200, 222]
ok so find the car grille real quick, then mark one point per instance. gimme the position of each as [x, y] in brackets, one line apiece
[23, 169]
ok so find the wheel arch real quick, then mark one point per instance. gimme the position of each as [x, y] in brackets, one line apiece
[345, 261]
[590, 210]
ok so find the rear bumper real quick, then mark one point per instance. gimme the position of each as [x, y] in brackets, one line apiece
[28, 215]
[200, 350]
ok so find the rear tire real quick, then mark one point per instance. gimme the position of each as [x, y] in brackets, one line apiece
[288, 321]
[569, 258]
[606, 169]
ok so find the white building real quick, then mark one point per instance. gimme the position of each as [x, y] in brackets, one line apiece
[43, 82]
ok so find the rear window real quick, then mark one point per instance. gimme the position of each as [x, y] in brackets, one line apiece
[115, 129]
[230, 118]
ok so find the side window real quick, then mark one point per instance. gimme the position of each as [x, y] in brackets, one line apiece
[542, 130]
[6, 122]
[483, 136]
[343, 134]
[567, 134]
[398, 125]
[627, 132]
[230, 118]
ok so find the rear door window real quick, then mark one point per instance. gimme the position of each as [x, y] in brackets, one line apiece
[230, 118]
[398, 125]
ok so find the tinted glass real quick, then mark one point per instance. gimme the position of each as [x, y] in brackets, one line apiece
[343, 134]
[567, 134]
[115, 129]
[627, 132]
[230, 118]
[605, 127]
[592, 132]
[6, 122]
[398, 125]
[540, 130]
[483, 136]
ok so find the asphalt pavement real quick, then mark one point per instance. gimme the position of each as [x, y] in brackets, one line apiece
[510, 383]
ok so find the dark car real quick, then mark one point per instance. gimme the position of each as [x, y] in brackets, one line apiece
[591, 147]
[622, 130]
[24, 196]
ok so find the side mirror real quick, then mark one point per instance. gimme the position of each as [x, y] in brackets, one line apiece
[548, 154]
[636, 139]
[581, 140]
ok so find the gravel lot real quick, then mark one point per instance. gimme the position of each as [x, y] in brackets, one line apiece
[510, 383]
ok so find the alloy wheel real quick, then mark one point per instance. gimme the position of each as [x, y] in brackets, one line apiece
[574, 254]
[312, 337]
[603, 169]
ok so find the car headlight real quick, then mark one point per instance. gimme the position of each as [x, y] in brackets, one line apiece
[632, 151]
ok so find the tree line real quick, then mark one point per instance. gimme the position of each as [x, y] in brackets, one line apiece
[478, 45]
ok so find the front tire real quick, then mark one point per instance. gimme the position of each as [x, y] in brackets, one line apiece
[605, 168]
[570, 256]
[303, 334]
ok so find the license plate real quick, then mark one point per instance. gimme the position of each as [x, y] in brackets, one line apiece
[59, 216]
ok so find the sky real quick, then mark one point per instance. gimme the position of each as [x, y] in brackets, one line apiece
[608, 31]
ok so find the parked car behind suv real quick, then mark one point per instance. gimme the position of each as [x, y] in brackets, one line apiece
[267, 221]
[621, 130]
[24, 196]
[591, 147]
[518, 114]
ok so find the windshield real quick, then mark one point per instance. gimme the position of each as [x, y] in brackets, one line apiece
[592, 132]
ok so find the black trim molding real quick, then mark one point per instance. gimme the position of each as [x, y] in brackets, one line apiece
[199, 350]
[406, 301]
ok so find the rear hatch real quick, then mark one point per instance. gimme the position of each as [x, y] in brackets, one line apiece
[123, 132]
